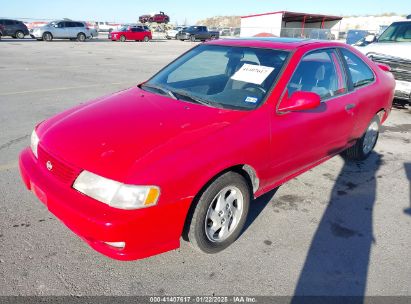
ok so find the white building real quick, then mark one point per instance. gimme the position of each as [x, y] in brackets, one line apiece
[290, 24]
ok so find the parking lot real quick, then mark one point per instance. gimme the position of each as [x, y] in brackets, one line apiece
[340, 229]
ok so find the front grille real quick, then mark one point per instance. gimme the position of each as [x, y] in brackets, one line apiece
[61, 170]
[400, 68]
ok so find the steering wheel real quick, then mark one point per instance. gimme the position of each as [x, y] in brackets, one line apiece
[254, 87]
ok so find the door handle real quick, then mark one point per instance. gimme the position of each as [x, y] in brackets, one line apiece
[350, 106]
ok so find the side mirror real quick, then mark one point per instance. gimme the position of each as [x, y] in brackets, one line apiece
[384, 67]
[370, 38]
[300, 101]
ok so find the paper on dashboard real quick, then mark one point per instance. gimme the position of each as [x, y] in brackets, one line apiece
[252, 73]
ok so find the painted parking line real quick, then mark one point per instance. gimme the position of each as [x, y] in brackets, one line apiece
[61, 67]
[65, 88]
[12, 165]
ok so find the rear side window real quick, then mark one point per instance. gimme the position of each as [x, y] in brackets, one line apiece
[319, 72]
[360, 72]
[9, 22]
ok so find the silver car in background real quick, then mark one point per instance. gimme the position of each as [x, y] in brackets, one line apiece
[62, 29]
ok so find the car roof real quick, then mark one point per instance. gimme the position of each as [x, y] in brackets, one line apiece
[272, 42]
[403, 21]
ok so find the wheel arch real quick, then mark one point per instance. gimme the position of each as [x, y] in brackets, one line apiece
[247, 171]
[48, 32]
[382, 114]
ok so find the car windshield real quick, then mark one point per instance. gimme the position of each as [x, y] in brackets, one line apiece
[220, 76]
[123, 29]
[397, 32]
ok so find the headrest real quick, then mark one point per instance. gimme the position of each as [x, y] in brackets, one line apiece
[320, 73]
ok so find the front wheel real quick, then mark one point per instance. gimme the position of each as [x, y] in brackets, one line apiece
[364, 146]
[123, 38]
[146, 39]
[220, 213]
[47, 37]
[192, 38]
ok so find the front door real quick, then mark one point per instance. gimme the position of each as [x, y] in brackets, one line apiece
[300, 139]
[60, 31]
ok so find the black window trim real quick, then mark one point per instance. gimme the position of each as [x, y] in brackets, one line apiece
[354, 88]
[325, 100]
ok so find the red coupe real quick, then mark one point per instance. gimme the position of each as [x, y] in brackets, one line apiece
[186, 152]
[137, 33]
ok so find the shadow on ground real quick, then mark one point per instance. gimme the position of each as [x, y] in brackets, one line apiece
[338, 258]
[407, 167]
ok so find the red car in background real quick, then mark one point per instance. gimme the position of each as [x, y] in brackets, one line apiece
[186, 152]
[137, 33]
[158, 18]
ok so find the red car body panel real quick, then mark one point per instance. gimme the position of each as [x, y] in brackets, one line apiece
[141, 138]
[130, 35]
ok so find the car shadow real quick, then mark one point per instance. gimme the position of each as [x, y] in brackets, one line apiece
[257, 206]
[337, 260]
[407, 167]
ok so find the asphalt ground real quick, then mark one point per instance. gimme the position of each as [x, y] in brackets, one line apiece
[340, 229]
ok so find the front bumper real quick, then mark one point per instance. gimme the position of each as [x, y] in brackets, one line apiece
[145, 232]
[403, 90]
[113, 37]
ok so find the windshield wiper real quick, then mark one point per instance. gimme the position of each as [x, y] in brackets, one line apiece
[161, 89]
[195, 99]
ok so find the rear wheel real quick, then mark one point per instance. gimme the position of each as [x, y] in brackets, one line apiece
[364, 146]
[81, 37]
[220, 213]
[19, 35]
[146, 39]
[192, 38]
[123, 38]
[47, 36]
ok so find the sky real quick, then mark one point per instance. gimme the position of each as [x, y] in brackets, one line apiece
[191, 11]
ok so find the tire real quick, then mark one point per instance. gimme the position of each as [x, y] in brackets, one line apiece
[212, 37]
[193, 38]
[47, 36]
[212, 209]
[81, 37]
[181, 39]
[146, 39]
[123, 38]
[175, 37]
[19, 35]
[364, 146]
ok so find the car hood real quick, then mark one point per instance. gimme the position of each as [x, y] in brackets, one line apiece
[393, 49]
[110, 135]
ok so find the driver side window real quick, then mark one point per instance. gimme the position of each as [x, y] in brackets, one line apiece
[319, 72]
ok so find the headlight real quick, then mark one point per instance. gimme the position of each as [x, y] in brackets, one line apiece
[34, 143]
[116, 194]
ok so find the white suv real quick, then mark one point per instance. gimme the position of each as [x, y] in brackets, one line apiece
[393, 48]
[64, 29]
